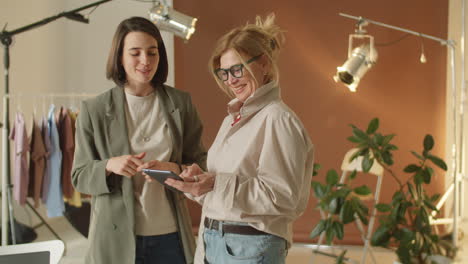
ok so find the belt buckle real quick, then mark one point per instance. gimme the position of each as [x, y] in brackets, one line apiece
[210, 223]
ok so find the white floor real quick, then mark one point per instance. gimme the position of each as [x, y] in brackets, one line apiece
[75, 244]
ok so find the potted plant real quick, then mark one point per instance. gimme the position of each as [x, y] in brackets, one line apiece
[405, 221]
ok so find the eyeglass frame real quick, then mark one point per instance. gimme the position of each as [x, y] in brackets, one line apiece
[230, 69]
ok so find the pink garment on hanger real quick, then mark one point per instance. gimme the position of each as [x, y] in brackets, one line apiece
[21, 148]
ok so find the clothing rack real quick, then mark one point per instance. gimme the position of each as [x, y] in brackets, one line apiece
[7, 206]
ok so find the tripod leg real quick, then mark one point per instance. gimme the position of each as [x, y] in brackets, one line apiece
[12, 220]
[43, 221]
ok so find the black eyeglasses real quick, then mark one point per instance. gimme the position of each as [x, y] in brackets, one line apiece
[235, 70]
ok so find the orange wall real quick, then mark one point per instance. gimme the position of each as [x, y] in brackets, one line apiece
[407, 96]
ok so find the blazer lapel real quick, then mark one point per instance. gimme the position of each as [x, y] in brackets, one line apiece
[116, 124]
[117, 132]
[172, 116]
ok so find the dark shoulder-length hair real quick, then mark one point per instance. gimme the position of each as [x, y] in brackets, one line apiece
[115, 69]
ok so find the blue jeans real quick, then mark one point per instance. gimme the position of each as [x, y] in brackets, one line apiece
[228, 248]
[159, 249]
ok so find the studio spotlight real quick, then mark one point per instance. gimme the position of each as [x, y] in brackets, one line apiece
[360, 60]
[168, 19]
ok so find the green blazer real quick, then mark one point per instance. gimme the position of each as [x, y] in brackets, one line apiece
[101, 133]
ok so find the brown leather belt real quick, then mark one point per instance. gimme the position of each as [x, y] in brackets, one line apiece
[233, 229]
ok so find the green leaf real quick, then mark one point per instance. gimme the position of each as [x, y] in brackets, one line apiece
[379, 139]
[316, 169]
[438, 162]
[360, 134]
[411, 190]
[354, 156]
[428, 142]
[407, 235]
[339, 229]
[362, 190]
[391, 147]
[402, 210]
[429, 204]
[361, 210]
[353, 174]
[381, 236]
[397, 197]
[418, 178]
[319, 189]
[332, 177]
[425, 153]
[342, 192]
[373, 126]
[430, 170]
[426, 175]
[347, 213]
[412, 168]
[383, 207]
[355, 139]
[417, 155]
[387, 157]
[330, 234]
[319, 228]
[335, 205]
[367, 163]
[387, 139]
[419, 219]
[361, 206]
[435, 197]
[404, 255]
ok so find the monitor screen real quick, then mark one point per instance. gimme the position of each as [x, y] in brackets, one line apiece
[41, 257]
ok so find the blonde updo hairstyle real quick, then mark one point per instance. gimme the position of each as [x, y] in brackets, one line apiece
[263, 37]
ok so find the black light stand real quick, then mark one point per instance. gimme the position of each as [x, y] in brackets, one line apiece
[6, 38]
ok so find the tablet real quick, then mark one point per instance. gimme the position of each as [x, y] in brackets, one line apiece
[162, 175]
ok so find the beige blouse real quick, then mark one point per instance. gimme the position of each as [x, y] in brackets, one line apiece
[263, 166]
[148, 132]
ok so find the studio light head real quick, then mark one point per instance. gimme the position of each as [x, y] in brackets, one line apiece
[168, 19]
[358, 63]
[360, 59]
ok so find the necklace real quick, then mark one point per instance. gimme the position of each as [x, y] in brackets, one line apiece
[145, 134]
[141, 115]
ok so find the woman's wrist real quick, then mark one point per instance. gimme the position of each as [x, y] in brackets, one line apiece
[180, 167]
[107, 168]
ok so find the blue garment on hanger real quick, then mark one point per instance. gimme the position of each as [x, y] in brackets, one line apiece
[46, 179]
[54, 202]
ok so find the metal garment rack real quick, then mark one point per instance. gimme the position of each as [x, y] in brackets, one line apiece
[457, 147]
[6, 189]
[6, 38]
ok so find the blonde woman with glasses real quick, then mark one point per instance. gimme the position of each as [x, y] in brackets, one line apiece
[260, 164]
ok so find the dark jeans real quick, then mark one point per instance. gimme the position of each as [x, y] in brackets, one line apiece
[159, 249]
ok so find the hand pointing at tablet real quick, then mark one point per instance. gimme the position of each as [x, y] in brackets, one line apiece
[196, 181]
